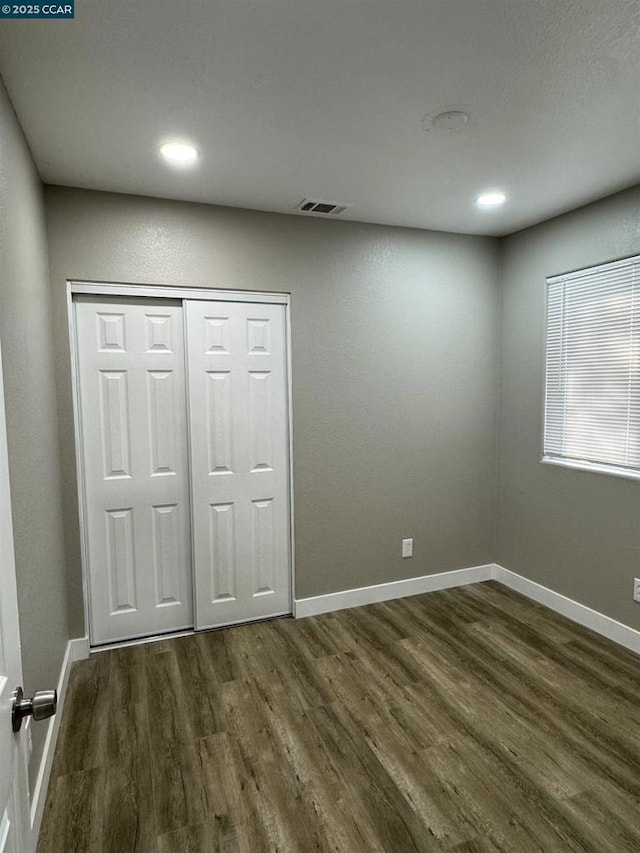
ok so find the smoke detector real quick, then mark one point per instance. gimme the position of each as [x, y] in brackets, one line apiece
[450, 120]
[328, 208]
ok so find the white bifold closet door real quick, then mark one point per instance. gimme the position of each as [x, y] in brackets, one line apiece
[239, 461]
[136, 479]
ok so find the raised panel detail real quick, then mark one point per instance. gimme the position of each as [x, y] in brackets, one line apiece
[121, 560]
[260, 417]
[259, 337]
[162, 422]
[166, 551]
[215, 337]
[219, 431]
[111, 334]
[158, 332]
[222, 550]
[263, 549]
[114, 412]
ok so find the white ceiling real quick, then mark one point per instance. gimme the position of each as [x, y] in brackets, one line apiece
[326, 99]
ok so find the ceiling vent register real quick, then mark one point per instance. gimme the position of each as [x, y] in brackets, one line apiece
[329, 208]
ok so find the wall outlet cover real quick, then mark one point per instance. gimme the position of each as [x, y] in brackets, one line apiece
[407, 547]
[636, 589]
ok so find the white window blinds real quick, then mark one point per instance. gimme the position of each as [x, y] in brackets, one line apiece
[592, 400]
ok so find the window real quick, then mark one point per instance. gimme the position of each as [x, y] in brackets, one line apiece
[592, 398]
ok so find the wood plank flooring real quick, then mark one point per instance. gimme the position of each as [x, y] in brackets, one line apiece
[469, 720]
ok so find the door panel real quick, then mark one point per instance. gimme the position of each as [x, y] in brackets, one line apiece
[134, 437]
[14, 794]
[240, 463]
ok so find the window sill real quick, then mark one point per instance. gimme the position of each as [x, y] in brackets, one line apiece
[594, 467]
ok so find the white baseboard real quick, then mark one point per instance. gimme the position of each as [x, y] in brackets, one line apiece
[580, 613]
[387, 591]
[77, 649]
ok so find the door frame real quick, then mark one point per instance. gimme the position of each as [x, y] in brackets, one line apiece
[75, 288]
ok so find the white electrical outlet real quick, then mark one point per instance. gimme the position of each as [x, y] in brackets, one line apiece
[636, 589]
[407, 547]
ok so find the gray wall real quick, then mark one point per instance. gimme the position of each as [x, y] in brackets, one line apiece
[394, 370]
[576, 532]
[32, 432]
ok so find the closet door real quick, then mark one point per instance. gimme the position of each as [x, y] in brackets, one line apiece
[239, 461]
[134, 438]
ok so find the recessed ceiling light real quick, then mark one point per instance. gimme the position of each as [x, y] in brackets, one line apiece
[179, 153]
[492, 198]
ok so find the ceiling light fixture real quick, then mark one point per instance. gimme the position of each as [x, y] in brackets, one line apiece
[179, 153]
[491, 198]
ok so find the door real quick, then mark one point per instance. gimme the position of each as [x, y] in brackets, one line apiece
[14, 795]
[238, 417]
[134, 439]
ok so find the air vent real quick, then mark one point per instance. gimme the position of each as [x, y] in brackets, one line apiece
[328, 208]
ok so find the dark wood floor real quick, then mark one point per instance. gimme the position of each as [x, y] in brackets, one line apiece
[469, 720]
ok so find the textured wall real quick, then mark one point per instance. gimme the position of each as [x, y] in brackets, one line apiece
[32, 432]
[394, 370]
[576, 532]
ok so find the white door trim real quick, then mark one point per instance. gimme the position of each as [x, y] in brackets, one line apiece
[115, 289]
[80, 479]
[102, 288]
